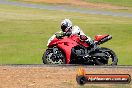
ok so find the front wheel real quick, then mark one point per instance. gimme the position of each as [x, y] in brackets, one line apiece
[109, 59]
[50, 58]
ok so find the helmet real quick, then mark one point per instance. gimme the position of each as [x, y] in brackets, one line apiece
[66, 25]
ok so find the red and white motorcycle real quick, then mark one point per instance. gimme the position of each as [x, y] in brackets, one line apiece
[71, 50]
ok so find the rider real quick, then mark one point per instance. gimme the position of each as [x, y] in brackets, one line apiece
[66, 26]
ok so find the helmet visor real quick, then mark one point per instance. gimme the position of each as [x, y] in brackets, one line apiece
[63, 27]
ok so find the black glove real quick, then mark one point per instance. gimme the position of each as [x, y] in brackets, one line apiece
[67, 33]
[64, 34]
[60, 36]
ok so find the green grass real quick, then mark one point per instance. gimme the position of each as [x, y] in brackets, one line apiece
[24, 33]
[127, 3]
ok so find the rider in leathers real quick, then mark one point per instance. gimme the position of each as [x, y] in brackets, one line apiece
[66, 26]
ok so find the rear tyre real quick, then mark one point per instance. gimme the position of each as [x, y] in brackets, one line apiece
[50, 58]
[111, 58]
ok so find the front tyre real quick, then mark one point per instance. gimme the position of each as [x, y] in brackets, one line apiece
[50, 58]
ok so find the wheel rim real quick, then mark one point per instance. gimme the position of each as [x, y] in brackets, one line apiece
[51, 60]
[109, 58]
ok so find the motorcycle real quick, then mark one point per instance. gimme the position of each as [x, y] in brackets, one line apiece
[64, 49]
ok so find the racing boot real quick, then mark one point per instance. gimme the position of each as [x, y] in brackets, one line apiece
[88, 40]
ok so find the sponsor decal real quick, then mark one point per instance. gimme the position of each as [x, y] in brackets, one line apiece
[83, 78]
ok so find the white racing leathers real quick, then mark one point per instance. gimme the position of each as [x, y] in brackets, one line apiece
[78, 31]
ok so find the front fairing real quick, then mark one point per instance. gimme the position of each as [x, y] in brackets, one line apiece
[51, 39]
[65, 40]
[65, 44]
[53, 42]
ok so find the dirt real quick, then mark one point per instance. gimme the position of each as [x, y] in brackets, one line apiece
[49, 77]
[79, 3]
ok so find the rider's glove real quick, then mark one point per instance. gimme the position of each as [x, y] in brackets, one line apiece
[60, 36]
[67, 33]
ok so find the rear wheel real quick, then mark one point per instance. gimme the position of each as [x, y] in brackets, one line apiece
[109, 59]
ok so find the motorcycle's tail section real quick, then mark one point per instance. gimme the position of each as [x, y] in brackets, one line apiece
[100, 39]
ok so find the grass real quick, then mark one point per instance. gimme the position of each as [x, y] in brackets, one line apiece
[24, 33]
[126, 3]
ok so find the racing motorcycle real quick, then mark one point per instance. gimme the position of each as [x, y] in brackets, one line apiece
[64, 49]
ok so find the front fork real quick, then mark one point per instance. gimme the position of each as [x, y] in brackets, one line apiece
[56, 52]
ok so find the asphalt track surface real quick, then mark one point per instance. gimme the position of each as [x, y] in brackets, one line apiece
[66, 65]
[22, 4]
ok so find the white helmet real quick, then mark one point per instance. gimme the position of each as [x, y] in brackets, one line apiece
[66, 25]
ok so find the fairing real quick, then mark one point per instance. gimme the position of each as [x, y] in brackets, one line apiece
[65, 44]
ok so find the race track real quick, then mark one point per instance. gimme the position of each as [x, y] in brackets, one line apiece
[65, 9]
[67, 65]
